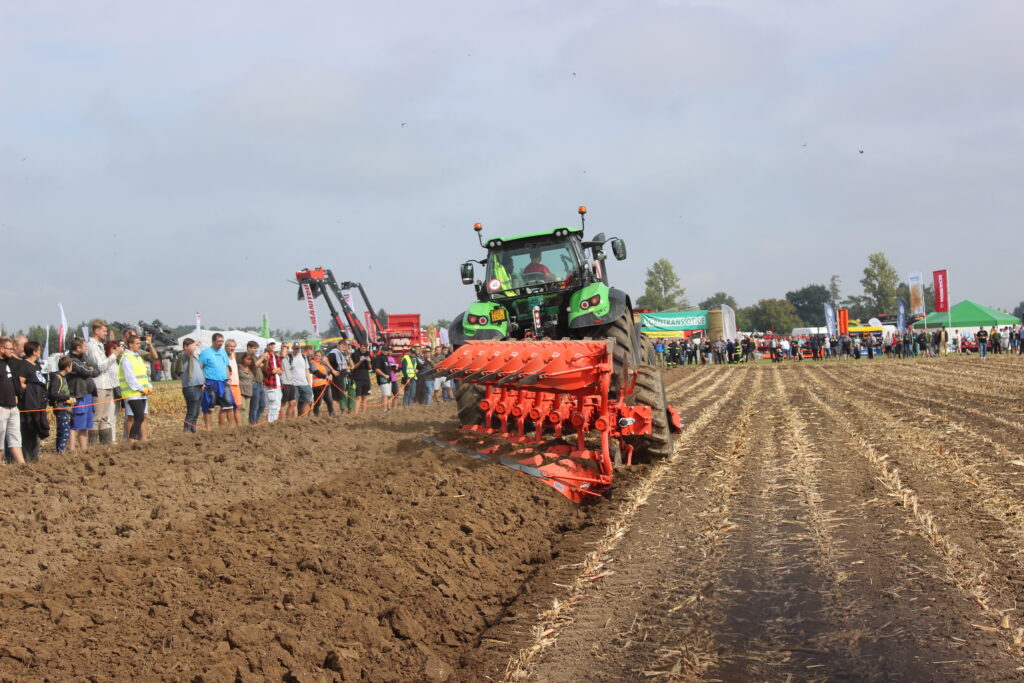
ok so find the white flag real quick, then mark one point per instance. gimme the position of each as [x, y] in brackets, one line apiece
[63, 332]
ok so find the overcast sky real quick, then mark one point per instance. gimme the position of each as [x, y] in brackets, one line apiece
[158, 159]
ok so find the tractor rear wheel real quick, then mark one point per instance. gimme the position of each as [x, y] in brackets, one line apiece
[621, 332]
[650, 391]
[467, 400]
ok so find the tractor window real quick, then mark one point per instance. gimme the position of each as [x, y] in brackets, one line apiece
[529, 265]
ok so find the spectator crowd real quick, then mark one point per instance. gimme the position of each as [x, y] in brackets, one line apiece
[96, 381]
[702, 350]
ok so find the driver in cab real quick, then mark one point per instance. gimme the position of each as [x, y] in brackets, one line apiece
[535, 267]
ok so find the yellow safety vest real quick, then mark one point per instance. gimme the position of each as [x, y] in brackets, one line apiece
[409, 366]
[502, 275]
[140, 372]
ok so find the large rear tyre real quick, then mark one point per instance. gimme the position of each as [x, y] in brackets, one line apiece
[467, 400]
[622, 332]
[650, 391]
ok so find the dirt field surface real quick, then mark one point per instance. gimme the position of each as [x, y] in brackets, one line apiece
[817, 521]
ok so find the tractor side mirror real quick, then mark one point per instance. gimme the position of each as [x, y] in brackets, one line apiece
[619, 249]
[466, 270]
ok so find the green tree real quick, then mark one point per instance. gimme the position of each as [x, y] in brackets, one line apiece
[382, 315]
[1019, 311]
[442, 323]
[663, 292]
[809, 303]
[880, 281]
[833, 291]
[859, 307]
[716, 300]
[773, 314]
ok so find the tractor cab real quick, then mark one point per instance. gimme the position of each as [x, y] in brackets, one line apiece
[534, 266]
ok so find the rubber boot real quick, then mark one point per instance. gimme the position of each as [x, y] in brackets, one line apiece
[106, 437]
[94, 437]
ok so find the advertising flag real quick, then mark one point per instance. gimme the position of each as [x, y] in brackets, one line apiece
[308, 291]
[830, 320]
[728, 322]
[916, 283]
[941, 279]
[901, 315]
[63, 331]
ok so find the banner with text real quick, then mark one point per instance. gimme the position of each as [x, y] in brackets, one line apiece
[674, 321]
[916, 283]
[941, 279]
[307, 290]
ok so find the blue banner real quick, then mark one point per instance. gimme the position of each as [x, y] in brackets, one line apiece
[830, 320]
[901, 316]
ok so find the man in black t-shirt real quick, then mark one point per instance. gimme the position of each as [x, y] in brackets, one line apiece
[382, 372]
[361, 376]
[11, 384]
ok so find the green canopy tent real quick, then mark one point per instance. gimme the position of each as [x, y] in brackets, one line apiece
[967, 314]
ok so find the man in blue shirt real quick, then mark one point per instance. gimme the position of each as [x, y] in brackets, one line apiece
[216, 368]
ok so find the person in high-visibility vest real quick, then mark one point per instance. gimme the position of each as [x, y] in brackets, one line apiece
[322, 375]
[133, 377]
[408, 375]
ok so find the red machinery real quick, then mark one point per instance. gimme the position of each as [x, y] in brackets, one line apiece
[561, 387]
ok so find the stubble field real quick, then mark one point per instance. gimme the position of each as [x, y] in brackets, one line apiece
[817, 521]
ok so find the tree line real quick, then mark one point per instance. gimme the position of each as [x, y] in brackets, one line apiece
[804, 307]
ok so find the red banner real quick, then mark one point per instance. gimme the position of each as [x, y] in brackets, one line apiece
[941, 280]
[308, 291]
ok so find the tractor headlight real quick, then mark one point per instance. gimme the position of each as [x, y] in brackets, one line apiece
[591, 302]
[478, 320]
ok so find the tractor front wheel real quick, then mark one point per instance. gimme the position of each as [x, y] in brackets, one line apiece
[467, 400]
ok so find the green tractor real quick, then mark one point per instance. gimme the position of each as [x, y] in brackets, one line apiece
[553, 284]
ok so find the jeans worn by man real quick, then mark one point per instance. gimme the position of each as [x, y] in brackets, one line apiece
[411, 385]
[192, 384]
[257, 404]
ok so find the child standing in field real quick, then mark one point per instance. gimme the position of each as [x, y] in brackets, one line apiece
[60, 398]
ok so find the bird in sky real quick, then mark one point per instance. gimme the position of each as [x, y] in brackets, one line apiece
[861, 151]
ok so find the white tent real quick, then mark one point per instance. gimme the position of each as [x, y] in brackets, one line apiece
[242, 338]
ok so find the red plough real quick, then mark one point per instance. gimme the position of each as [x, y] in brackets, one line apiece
[561, 388]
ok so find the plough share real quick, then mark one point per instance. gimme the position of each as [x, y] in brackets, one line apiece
[563, 389]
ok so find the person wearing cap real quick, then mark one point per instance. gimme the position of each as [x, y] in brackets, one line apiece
[382, 373]
[408, 375]
[296, 376]
[361, 360]
[340, 359]
[272, 371]
[192, 383]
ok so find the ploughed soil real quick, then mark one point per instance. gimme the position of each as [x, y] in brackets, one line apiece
[841, 520]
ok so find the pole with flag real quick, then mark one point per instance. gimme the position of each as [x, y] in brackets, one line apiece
[941, 280]
[63, 331]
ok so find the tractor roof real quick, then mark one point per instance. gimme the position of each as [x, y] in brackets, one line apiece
[550, 232]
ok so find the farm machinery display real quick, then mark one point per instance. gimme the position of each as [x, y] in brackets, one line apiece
[549, 351]
[401, 333]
